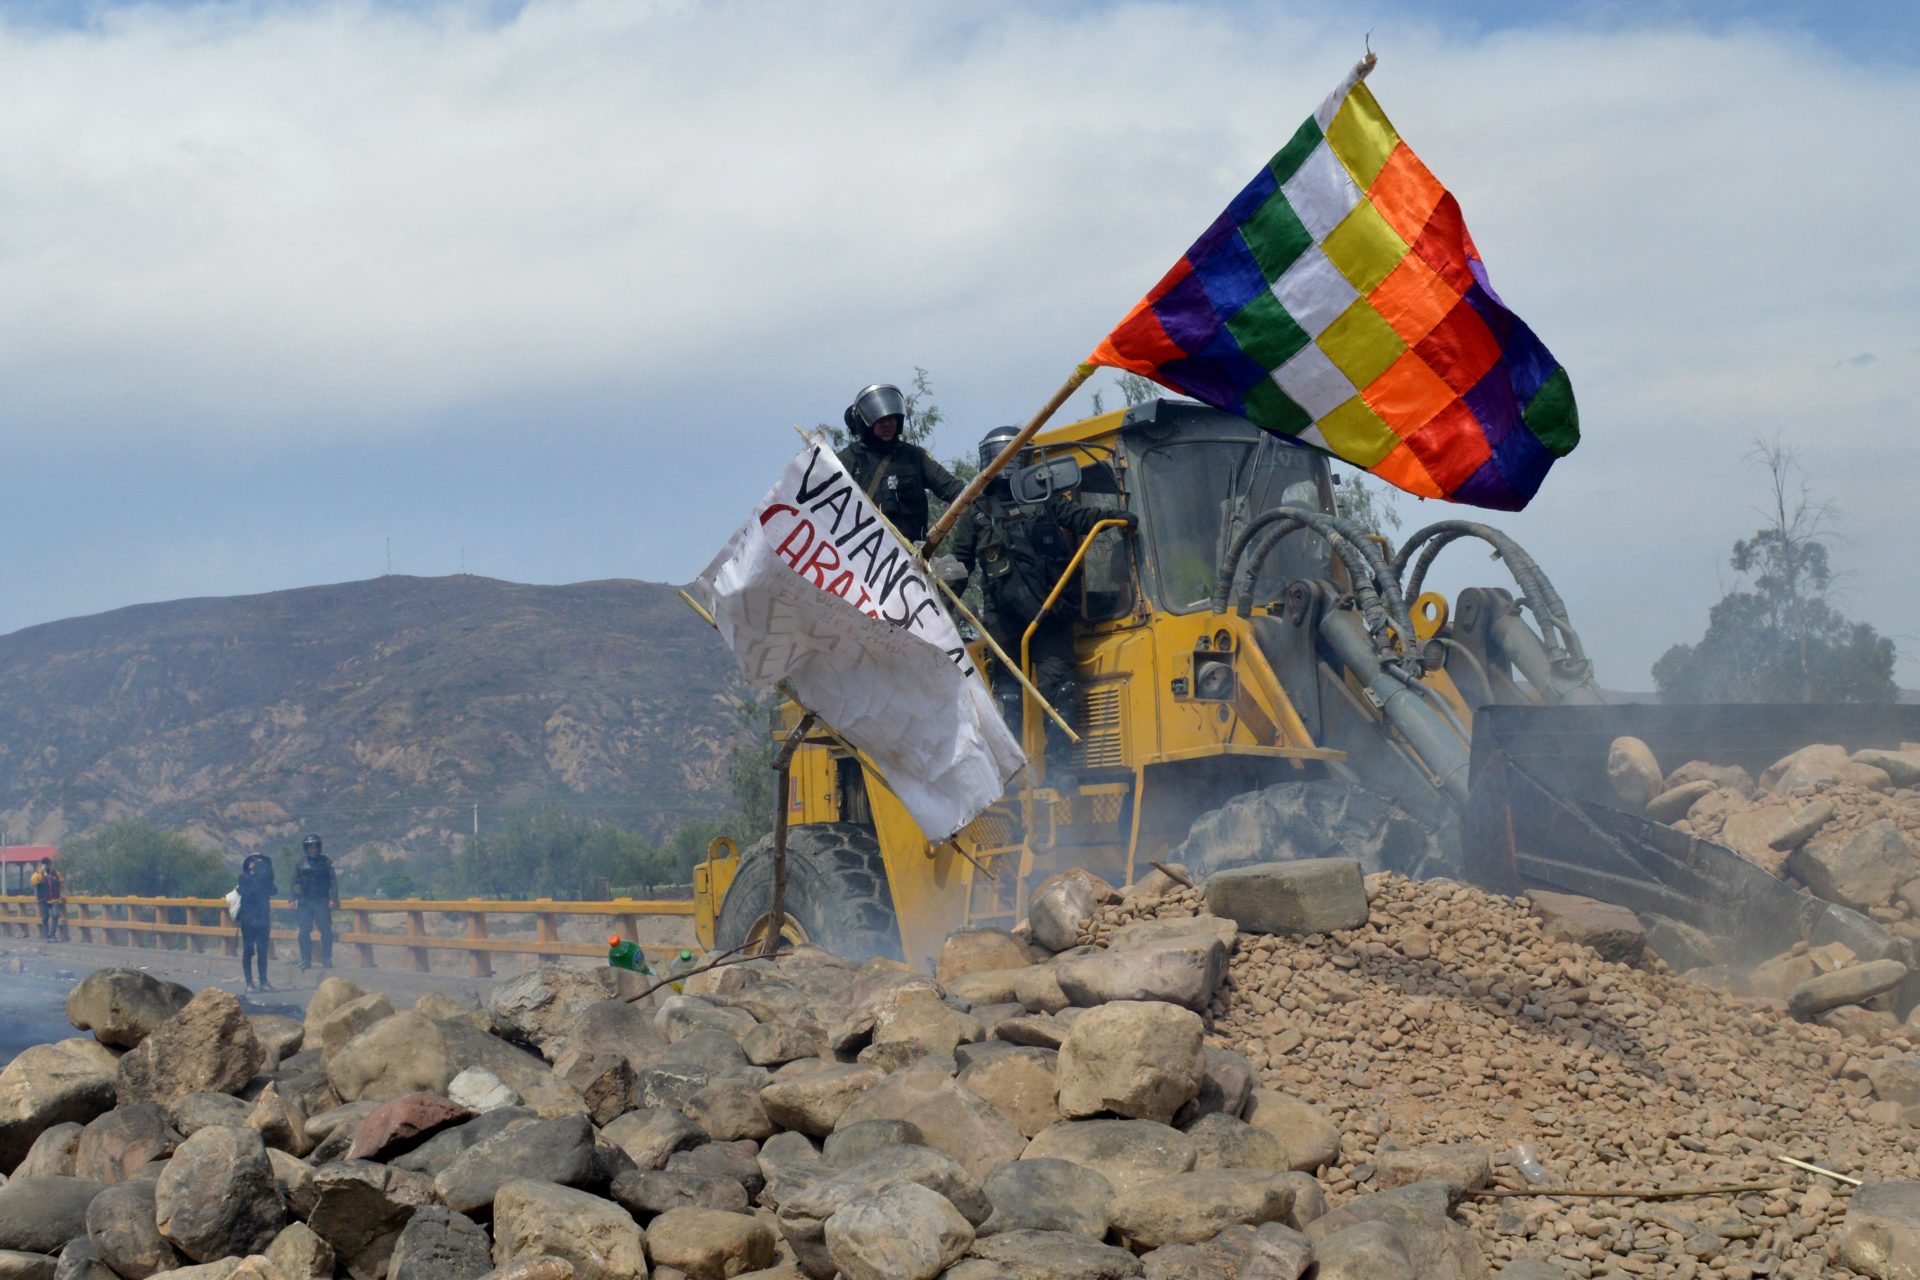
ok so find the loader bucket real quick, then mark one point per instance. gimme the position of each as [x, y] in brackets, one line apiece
[1542, 814]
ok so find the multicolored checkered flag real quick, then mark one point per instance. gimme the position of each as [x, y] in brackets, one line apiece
[1340, 301]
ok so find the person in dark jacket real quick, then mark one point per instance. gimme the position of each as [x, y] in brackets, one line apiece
[1020, 549]
[256, 919]
[315, 898]
[896, 476]
[50, 891]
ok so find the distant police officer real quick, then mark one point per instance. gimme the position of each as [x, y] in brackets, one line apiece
[895, 476]
[315, 899]
[1020, 550]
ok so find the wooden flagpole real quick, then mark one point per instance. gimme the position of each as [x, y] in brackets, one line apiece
[978, 484]
[782, 790]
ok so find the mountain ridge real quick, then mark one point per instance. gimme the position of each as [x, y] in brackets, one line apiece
[378, 713]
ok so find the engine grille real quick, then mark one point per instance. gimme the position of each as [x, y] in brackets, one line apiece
[1101, 742]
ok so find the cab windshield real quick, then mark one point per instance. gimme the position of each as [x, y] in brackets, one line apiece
[1199, 496]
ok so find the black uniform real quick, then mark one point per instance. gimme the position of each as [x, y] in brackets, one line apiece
[314, 898]
[256, 916]
[896, 477]
[1019, 550]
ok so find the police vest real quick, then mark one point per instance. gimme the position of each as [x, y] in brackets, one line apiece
[1022, 552]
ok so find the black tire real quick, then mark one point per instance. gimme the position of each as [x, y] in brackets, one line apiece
[1317, 819]
[836, 892]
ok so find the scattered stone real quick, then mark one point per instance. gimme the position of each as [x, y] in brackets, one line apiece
[123, 1006]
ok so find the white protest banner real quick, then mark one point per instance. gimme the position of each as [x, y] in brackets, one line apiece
[815, 589]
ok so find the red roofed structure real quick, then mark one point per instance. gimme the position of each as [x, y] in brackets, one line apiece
[17, 862]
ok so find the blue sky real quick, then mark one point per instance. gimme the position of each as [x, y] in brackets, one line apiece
[541, 288]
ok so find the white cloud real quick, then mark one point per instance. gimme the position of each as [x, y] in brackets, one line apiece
[240, 224]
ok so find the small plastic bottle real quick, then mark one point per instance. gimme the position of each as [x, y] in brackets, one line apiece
[683, 964]
[625, 955]
[1528, 1164]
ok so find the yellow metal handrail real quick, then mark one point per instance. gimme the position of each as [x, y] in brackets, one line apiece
[1026, 638]
[202, 921]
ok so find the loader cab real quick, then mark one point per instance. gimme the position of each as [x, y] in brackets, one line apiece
[1194, 476]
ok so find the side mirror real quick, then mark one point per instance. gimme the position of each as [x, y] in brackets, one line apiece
[1040, 482]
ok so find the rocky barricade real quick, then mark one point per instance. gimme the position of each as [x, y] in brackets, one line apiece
[1329, 1081]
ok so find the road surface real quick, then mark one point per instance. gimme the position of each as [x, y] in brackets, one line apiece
[35, 978]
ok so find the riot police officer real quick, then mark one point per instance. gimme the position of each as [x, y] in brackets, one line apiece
[316, 896]
[1020, 550]
[896, 476]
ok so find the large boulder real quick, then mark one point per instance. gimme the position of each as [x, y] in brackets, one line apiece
[329, 995]
[1880, 1236]
[970, 951]
[1460, 1166]
[1612, 931]
[559, 1151]
[361, 1209]
[813, 1103]
[1415, 1225]
[1861, 871]
[1048, 1195]
[1061, 906]
[1222, 1141]
[805, 1210]
[1309, 895]
[1184, 971]
[208, 1047]
[652, 1136]
[69, 1081]
[647, 1193]
[345, 1021]
[902, 1232]
[1136, 1059]
[121, 1223]
[539, 1006]
[52, 1153]
[397, 1127]
[217, 1196]
[1845, 986]
[1310, 1140]
[1190, 1207]
[1053, 1255]
[443, 1148]
[38, 1215]
[298, 1254]
[1634, 772]
[1020, 1082]
[534, 1219]
[953, 1120]
[123, 1006]
[116, 1144]
[411, 1053]
[439, 1244]
[1810, 766]
[711, 1244]
[1124, 1152]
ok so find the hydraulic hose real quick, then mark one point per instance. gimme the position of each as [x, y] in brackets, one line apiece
[1434, 741]
[1537, 593]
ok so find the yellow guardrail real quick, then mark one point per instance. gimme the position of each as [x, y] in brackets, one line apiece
[201, 924]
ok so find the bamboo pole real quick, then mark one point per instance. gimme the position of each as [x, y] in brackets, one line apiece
[978, 484]
[782, 789]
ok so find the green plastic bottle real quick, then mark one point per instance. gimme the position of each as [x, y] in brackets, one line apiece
[625, 955]
[683, 964]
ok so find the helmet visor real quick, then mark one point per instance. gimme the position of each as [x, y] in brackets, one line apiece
[879, 402]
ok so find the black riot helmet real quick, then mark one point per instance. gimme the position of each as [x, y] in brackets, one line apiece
[311, 845]
[881, 400]
[993, 442]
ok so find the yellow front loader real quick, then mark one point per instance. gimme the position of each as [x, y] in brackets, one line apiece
[1260, 679]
